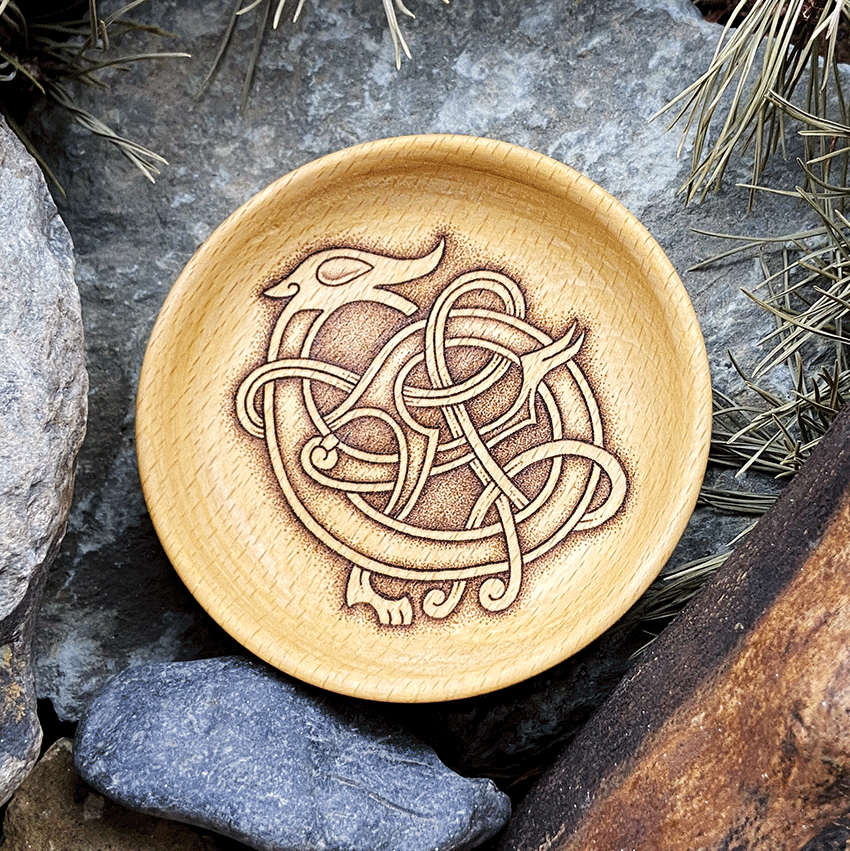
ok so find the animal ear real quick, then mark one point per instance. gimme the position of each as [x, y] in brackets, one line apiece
[282, 289]
[340, 270]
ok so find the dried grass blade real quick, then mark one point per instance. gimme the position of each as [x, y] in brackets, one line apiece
[255, 54]
[33, 151]
[222, 47]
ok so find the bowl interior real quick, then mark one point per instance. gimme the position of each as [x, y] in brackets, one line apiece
[423, 418]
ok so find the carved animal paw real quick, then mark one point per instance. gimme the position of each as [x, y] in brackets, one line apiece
[390, 611]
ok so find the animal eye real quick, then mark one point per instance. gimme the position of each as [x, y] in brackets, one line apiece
[341, 270]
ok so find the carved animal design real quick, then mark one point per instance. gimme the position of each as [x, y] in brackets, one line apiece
[443, 461]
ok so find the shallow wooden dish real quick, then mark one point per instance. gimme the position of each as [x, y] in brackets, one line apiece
[423, 418]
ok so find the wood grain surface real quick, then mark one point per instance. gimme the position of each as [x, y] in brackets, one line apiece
[423, 418]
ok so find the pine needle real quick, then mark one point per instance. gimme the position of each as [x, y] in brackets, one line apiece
[255, 54]
[223, 43]
[771, 433]
[733, 107]
[75, 50]
[238, 10]
[32, 150]
[145, 160]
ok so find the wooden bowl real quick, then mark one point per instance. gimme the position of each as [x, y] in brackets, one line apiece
[423, 418]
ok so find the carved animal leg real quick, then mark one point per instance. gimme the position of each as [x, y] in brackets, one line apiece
[390, 612]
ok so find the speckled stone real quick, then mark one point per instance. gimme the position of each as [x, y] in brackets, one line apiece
[231, 745]
[42, 420]
[54, 809]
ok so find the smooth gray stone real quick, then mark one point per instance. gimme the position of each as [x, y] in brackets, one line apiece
[233, 746]
[575, 80]
[43, 389]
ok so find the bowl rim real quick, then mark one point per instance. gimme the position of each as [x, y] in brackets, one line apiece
[475, 153]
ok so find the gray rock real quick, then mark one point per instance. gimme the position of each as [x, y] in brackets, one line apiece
[43, 388]
[54, 809]
[576, 80]
[514, 732]
[234, 746]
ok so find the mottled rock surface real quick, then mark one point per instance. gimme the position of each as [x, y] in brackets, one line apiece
[54, 810]
[43, 388]
[577, 81]
[238, 748]
[733, 731]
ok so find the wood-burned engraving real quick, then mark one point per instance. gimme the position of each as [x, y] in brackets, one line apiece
[441, 440]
